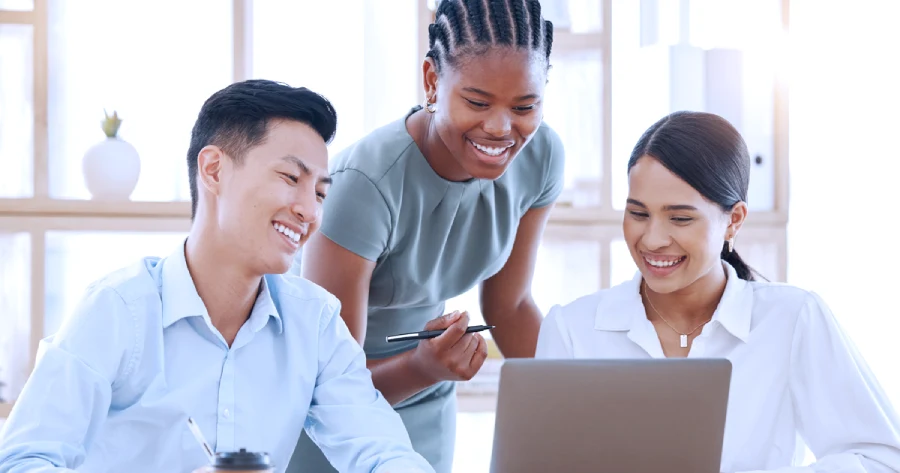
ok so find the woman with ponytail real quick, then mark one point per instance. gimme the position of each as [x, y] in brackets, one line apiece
[794, 371]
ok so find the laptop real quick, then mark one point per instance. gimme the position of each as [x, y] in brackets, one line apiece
[616, 416]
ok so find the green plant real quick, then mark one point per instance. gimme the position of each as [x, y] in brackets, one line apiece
[111, 124]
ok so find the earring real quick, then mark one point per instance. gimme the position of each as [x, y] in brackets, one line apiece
[730, 244]
[431, 107]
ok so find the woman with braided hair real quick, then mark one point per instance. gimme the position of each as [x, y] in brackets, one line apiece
[452, 195]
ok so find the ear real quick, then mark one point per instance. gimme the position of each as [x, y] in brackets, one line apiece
[209, 168]
[430, 76]
[736, 217]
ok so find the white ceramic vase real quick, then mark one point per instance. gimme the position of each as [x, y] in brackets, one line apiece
[111, 168]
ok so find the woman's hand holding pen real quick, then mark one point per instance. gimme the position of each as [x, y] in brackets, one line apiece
[454, 355]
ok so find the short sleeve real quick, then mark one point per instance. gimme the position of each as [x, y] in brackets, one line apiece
[356, 216]
[554, 173]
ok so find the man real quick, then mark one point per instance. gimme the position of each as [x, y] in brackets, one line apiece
[213, 331]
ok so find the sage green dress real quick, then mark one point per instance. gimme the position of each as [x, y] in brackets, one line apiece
[431, 239]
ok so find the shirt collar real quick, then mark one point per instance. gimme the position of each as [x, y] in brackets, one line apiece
[623, 309]
[735, 308]
[265, 308]
[181, 300]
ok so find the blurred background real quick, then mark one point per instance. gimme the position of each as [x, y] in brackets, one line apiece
[811, 84]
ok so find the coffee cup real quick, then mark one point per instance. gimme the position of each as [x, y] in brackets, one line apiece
[241, 461]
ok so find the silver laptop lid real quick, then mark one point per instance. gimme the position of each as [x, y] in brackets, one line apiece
[617, 416]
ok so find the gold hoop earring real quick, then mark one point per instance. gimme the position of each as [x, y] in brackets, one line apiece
[731, 244]
[431, 107]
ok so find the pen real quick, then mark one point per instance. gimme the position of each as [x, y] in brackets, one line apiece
[199, 436]
[431, 334]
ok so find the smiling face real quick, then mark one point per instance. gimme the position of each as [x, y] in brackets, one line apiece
[674, 234]
[268, 205]
[488, 107]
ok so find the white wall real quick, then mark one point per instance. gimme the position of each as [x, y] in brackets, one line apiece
[845, 169]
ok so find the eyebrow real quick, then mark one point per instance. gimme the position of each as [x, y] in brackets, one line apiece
[640, 204]
[490, 95]
[304, 168]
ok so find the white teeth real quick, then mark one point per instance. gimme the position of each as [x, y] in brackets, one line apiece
[489, 151]
[663, 264]
[294, 236]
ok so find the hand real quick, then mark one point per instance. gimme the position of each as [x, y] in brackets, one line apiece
[454, 355]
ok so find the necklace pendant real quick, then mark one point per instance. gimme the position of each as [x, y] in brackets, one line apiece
[683, 341]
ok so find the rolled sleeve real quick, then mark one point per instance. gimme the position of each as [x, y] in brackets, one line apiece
[349, 420]
[66, 399]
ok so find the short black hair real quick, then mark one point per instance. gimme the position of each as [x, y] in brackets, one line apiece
[467, 26]
[236, 119]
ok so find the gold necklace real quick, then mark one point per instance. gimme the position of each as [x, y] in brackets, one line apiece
[683, 336]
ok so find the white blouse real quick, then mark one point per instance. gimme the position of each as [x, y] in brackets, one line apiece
[794, 371]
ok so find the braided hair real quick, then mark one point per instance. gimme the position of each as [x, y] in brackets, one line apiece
[465, 26]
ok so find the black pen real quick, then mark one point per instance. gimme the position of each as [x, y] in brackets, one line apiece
[403, 337]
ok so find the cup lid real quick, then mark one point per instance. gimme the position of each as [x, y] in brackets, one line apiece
[242, 460]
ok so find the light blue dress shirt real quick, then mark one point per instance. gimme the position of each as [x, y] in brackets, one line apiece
[112, 390]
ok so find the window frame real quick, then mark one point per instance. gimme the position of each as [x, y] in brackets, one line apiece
[603, 223]
[40, 213]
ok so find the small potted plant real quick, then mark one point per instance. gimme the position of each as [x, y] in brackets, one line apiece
[112, 166]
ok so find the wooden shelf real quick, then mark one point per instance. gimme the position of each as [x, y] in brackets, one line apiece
[16, 17]
[586, 216]
[38, 208]
[94, 208]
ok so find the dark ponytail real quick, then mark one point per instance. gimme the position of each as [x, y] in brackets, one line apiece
[743, 270]
[709, 154]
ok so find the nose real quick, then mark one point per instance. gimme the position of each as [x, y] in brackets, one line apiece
[656, 235]
[306, 206]
[498, 124]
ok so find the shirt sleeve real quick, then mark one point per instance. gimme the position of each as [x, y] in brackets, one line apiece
[356, 215]
[67, 397]
[553, 339]
[555, 171]
[348, 419]
[842, 413]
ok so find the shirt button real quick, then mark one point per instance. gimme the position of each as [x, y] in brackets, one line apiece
[226, 413]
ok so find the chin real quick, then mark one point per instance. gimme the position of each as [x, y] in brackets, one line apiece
[281, 268]
[488, 175]
[275, 264]
[666, 285]
[479, 169]
[491, 173]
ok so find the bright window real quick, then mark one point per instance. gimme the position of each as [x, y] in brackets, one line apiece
[101, 59]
